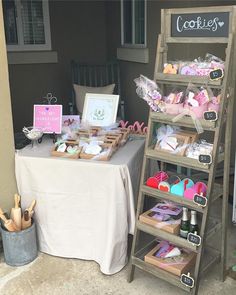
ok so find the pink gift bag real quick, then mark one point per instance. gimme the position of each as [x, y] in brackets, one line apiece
[198, 188]
[173, 108]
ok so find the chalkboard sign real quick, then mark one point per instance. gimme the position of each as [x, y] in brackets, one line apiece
[212, 24]
[194, 239]
[187, 280]
[200, 200]
[205, 159]
[216, 74]
[210, 116]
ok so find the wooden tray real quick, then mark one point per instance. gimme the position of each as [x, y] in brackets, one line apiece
[105, 157]
[147, 218]
[185, 137]
[55, 153]
[169, 264]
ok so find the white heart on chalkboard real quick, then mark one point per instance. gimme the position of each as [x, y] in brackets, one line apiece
[221, 24]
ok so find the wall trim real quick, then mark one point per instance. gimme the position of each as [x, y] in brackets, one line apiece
[32, 57]
[140, 55]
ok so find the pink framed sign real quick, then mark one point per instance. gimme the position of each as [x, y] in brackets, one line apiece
[48, 118]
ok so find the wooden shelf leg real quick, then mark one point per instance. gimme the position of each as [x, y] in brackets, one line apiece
[131, 273]
[225, 207]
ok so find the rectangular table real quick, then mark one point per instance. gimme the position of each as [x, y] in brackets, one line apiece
[85, 209]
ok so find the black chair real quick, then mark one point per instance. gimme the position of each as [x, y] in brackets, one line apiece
[98, 75]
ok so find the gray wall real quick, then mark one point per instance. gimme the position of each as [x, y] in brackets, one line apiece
[89, 31]
[135, 107]
[78, 30]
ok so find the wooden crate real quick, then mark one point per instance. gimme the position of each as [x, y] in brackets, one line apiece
[125, 135]
[185, 137]
[55, 153]
[93, 131]
[147, 218]
[105, 157]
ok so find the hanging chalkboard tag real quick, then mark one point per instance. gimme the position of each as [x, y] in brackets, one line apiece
[187, 280]
[205, 159]
[210, 116]
[194, 239]
[200, 200]
[216, 74]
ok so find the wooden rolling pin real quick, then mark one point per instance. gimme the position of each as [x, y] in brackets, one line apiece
[16, 212]
[27, 215]
[8, 223]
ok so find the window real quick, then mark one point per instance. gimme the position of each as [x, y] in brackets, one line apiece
[133, 23]
[27, 25]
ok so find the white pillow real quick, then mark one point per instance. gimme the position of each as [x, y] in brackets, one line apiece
[80, 92]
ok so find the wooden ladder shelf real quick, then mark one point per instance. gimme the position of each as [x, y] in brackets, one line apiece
[221, 130]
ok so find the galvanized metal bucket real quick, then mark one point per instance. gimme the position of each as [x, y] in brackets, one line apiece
[20, 248]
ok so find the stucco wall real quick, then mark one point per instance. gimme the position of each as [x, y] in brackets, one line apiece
[7, 175]
[78, 32]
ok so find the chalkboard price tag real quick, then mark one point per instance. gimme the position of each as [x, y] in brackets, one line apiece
[210, 116]
[187, 280]
[205, 159]
[194, 239]
[200, 200]
[216, 74]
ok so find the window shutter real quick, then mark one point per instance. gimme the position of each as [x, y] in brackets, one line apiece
[9, 13]
[32, 22]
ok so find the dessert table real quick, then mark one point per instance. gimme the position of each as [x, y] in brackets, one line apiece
[85, 209]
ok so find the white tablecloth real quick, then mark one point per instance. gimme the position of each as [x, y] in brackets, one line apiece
[85, 209]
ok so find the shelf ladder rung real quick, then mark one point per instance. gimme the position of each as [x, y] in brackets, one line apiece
[176, 240]
[176, 160]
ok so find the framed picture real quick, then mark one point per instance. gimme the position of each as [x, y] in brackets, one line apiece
[100, 109]
[68, 120]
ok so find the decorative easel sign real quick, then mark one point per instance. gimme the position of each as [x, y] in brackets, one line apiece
[210, 116]
[200, 200]
[216, 74]
[187, 280]
[48, 118]
[100, 109]
[205, 159]
[211, 24]
[194, 239]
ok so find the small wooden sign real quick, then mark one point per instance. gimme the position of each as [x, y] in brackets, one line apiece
[211, 24]
[187, 280]
[216, 74]
[194, 239]
[200, 200]
[210, 116]
[205, 159]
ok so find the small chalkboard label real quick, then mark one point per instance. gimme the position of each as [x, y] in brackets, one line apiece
[216, 74]
[205, 159]
[200, 200]
[187, 280]
[210, 116]
[194, 239]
